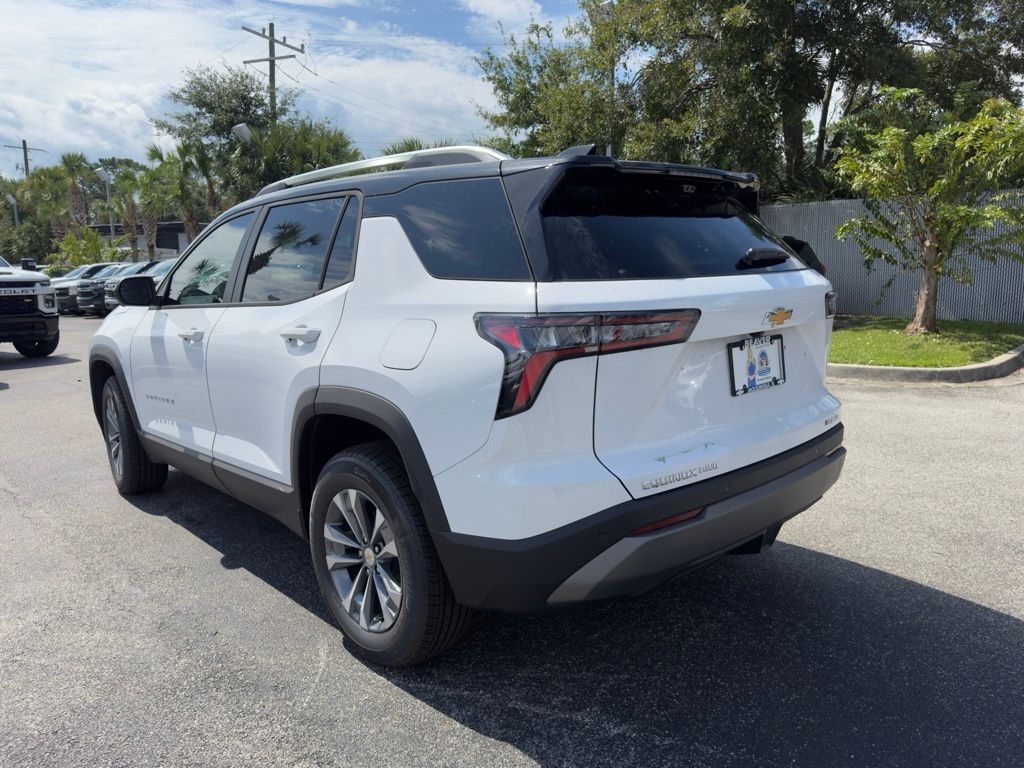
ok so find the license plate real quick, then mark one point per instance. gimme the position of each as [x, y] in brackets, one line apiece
[756, 363]
[72, 291]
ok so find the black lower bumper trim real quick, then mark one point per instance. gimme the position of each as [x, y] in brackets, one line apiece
[522, 575]
[35, 327]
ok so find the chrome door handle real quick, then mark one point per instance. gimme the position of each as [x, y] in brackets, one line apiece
[301, 333]
[192, 334]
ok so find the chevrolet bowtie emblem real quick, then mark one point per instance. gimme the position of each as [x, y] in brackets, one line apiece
[778, 316]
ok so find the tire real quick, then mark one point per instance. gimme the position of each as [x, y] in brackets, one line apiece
[132, 470]
[38, 348]
[367, 480]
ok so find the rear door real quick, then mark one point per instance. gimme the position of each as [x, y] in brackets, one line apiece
[169, 349]
[747, 384]
[267, 347]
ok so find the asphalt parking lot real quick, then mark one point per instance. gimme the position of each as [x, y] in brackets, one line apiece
[886, 628]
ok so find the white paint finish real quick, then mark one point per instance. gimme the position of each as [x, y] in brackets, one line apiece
[407, 344]
[537, 471]
[169, 375]
[450, 398]
[668, 412]
[256, 378]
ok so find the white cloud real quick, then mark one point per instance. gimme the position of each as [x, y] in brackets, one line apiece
[80, 76]
[511, 14]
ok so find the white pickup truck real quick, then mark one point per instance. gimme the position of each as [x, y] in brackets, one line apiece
[28, 311]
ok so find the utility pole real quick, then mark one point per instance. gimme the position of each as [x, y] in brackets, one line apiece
[25, 148]
[273, 59]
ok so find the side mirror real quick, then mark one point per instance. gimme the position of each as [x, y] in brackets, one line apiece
[136, 291]
[29, 265]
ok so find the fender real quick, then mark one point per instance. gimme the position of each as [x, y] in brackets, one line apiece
[106, 354]
[389, 419]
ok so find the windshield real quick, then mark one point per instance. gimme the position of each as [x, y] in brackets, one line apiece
[76, 271]
[134, 269]
[107, 271]
[3, 263]
[162, 268]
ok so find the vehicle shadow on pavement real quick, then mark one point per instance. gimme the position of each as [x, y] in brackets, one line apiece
[15, 362]
[790, 658]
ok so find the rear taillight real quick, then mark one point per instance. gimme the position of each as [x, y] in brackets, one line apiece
[830, 304]
[532, 344]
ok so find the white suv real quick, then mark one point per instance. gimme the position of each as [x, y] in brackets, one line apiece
[479, 382]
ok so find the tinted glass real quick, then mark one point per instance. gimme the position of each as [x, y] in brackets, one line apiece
[203, 276]
[601, 224]
[3, 263]
[161, 268]
[339, 264]
[289, 255]
[94, 270]
[460, 229]
[134, 269]
[76, 272]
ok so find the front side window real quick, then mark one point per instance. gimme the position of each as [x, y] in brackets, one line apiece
[203, 276]
[289, 256]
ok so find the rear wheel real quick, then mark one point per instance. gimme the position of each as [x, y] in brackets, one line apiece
[38, 348]
[375, 562]
[132, 470]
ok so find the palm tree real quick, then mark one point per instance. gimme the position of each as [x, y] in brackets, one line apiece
[152, 205]
[74, 166]
[412, 144]
[182, 187]
[126, 188]
[45, 195]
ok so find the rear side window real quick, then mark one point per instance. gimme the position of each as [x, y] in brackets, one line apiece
[461, 230]
[602, 224]
[339, 263]
[289, 256]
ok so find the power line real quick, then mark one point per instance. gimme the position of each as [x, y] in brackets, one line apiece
[273, 59]
[395, 107]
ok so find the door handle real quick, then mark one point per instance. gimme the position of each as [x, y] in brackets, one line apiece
[301, 333]
[192, 334]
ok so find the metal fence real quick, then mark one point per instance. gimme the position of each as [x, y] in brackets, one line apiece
[997, 293]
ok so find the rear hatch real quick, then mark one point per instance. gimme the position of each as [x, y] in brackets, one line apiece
[748, 383]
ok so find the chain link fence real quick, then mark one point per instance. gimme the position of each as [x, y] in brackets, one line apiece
[997, 293]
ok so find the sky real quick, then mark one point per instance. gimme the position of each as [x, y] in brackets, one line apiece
[86, 76]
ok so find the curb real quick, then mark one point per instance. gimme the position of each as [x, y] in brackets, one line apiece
[1001, 366]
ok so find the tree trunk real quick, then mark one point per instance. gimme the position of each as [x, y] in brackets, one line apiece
[927, 295]
[826, 103]
[793, 141]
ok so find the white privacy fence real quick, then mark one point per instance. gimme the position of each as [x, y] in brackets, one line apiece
[996, 295]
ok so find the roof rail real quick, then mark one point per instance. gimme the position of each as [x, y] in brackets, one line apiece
[425, 157]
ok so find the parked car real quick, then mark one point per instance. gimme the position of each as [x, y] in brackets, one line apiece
[90, 290]
[28, 311]
[555, 381]
[67, 287]
[154, 269]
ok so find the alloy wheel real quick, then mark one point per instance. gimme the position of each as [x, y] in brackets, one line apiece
[362, 559]
[113, 431]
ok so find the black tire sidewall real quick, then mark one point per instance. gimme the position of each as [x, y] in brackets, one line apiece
[349, 472]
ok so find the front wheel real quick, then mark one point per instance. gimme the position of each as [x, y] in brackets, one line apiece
[375, 562]
[132, 470]
[38, 348]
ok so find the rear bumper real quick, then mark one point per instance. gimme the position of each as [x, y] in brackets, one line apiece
[34, 327]
[596, 559]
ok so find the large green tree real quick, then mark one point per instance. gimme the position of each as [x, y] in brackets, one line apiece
[931, 186]
[733, 84]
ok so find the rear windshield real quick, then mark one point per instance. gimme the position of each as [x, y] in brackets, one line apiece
[602, 224]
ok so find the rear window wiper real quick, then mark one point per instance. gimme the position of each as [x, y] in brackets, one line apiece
[762, 257]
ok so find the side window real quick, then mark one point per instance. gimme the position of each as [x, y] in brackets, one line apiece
[461, 230]
[339, 263]
[203, 276]
[290, 251]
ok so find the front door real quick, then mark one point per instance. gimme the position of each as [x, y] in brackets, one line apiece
[168, 352]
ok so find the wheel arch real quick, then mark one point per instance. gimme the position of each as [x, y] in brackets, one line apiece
[104, 363]
[362, 417]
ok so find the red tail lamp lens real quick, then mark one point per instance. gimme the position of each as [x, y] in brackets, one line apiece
[532, 344]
